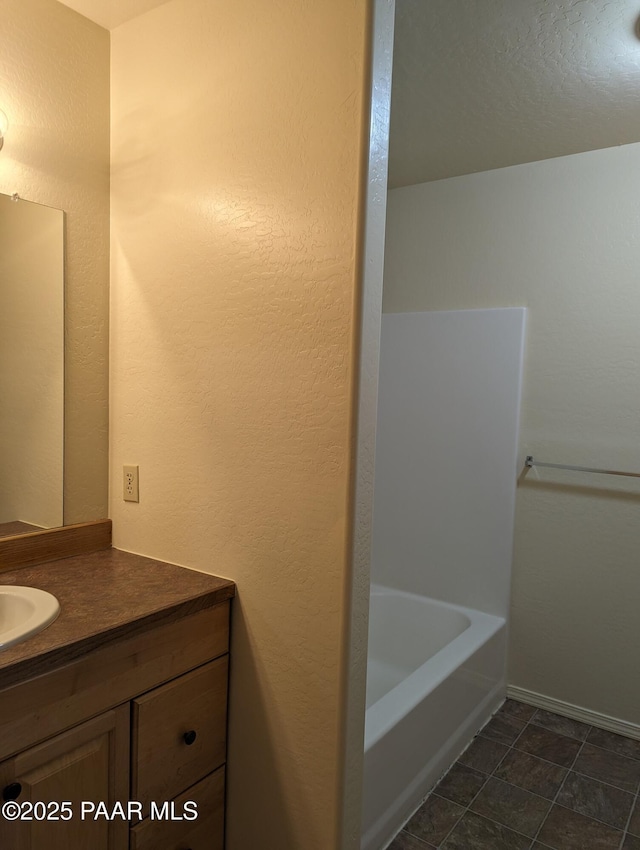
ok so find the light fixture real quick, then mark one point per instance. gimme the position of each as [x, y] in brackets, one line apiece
[4, 126]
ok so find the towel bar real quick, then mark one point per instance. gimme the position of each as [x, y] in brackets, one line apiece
[530, 461]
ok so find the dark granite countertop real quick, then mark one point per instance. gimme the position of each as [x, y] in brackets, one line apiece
[104, 596]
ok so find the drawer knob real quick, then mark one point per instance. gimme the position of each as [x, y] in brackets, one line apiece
[12, 791]
[189, 737]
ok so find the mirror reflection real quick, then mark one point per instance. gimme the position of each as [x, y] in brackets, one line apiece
[31, 366]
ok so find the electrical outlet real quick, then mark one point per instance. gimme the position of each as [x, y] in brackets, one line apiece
[130, 491]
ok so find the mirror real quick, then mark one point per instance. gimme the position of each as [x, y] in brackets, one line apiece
[31, 366]
[54, 90]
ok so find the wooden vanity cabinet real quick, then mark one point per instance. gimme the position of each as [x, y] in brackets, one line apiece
[88, 762]
[178, 733]
[143, 719]
[205, 833]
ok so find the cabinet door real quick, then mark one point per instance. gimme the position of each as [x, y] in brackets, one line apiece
[88, 763]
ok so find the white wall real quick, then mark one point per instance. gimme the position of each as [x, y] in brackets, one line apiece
[446, 450]
[562, 238]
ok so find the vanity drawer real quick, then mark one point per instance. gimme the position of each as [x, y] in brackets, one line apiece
[35, 709]
[179, 733]
[205, 833]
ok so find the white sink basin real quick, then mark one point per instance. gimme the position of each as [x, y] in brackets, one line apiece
[24, 611]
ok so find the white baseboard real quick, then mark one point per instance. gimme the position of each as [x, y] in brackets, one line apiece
[575, 712]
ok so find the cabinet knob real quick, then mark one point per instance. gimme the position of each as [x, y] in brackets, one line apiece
[12, 791]
[189, 737]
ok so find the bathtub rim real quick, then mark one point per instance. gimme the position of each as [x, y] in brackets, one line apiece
[391, 708]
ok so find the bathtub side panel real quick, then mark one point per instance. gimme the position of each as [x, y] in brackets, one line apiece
[401, 768]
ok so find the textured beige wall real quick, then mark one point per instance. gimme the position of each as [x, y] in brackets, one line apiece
[237, 154]
[561, 238]
[31, 363]
[54, 87]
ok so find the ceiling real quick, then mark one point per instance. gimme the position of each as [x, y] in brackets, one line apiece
[112, 13]
[481, 84]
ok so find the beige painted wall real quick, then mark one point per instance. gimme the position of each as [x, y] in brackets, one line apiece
[238, 149]
[54, 87]
[31, 363]
[561, 238]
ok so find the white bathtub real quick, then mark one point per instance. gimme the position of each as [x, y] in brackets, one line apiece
[435, 675]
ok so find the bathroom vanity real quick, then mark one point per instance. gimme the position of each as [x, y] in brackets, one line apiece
[113, 719]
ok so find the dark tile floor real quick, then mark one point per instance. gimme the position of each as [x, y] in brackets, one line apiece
[533, 780]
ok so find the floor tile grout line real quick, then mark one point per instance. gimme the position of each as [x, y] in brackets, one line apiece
[533, 716]
[564, 767]
[479, 791]
[488, 776]
[591, 728]
[433, 793]
[570, 769]
[468, 810]
[590, 817]
[465, 809]
[588, 776]
[626, 832]
[612, 752]
[553, 802]
[532, 722]
[416, 837]
[615, 752]
[587, 726]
